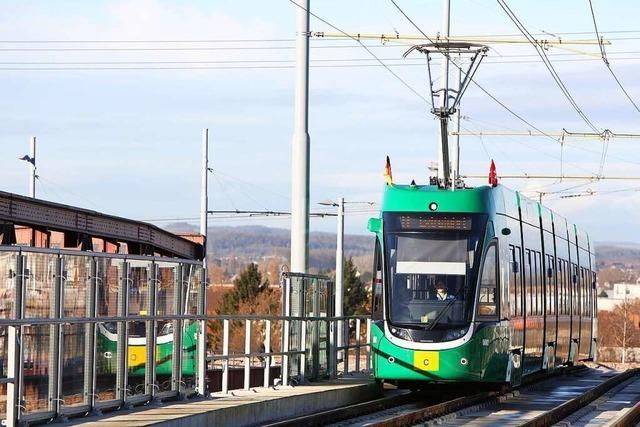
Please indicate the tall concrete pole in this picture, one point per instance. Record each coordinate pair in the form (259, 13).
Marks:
(339, 267)
(443, 150)
(202, 310)
(32, 168)
(456, 125)
(300, 147)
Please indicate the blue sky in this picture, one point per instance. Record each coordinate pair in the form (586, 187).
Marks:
(127, 141)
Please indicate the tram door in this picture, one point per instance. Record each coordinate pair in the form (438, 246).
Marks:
(514, 370)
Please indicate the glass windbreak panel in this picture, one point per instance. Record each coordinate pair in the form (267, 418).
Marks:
(3, 371)
(8, 277)
(73, 367)
(39, 284)
(36, 367)
(432, 265)
(138, 279)
(109, 273)
(136, 357)
(191, 286)
(166, 283)
(76, 274)
(139, 297)
(166, 304)
(164, 355)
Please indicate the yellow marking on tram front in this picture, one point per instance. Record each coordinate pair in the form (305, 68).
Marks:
(137, 355)
(426, 360)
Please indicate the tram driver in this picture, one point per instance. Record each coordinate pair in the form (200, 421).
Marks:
(442, 292)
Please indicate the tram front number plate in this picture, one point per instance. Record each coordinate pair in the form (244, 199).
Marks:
(426, 360)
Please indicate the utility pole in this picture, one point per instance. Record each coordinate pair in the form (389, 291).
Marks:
(339, 291)
(443, 148)
(300, 147)
(204, 209)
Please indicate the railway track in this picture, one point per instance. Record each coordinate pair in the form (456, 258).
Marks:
(576, 395)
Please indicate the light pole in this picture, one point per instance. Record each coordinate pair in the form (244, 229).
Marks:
(31, 159)
(339, 287)
(339, 283)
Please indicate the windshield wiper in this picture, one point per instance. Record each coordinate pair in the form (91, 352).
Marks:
(444, 310)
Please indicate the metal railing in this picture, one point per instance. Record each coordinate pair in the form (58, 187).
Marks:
(82, 332)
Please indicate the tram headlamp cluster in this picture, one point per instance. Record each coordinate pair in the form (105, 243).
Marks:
(402, 334)
(453, 334)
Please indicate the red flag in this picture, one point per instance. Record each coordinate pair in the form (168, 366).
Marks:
(493, 176)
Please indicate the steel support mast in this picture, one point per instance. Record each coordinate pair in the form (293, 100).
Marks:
(204, 211)
(444, 176)
(339, 297)
(300, 147)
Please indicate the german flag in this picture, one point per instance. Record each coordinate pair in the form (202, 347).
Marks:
(387, 172)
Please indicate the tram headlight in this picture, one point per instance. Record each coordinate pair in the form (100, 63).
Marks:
(402, 334)
(453, 334)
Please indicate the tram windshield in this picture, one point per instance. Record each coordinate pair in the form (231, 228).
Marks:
(431, 267)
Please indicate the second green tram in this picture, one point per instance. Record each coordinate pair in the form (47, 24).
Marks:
(477, 285)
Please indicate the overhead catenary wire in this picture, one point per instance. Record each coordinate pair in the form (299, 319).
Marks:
(606, 60)
(400, 79)
(556, 77)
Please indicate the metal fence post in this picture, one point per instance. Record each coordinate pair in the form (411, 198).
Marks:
(345, 343)
(180, 289)
(202, 335)
(225, 352)
(284, 372)
(334, 348)
(358, 344)
(303, 349)
(150, 372)
(90, 338)
(369, 343)
(14, 352)
(247, 350)
(122, 330)
(55, 343)
(267, 350)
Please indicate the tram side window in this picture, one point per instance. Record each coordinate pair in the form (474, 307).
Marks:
(527, 282)
(583, 293)
(539, 276)
(536, 284)
(514, 282)
(376, 304)
(488, 294)
(575, 295)
(551, 284)
(560, 288)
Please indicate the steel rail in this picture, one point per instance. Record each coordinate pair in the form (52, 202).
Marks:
(629, 418)
(437, 410)
(567, 408)
(351, 411)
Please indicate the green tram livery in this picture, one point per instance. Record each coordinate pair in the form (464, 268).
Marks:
(477, 285)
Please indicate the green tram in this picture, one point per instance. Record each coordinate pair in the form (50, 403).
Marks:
(107, 344)
(477, 285)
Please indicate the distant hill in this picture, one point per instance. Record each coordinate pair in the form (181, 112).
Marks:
(621, 254)
(254, 243)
